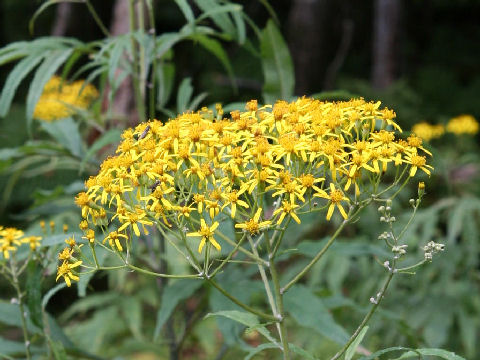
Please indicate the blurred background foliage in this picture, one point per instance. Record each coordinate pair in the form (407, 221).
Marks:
(420, 58)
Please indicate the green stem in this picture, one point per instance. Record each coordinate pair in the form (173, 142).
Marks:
(94, 255)
(229, 256)
(147, 272)
(136, 65)
(366, 318)
(245, 251)
(16, 285)
(241, 304)
(279, 303)
(97, 19)
(315, 259)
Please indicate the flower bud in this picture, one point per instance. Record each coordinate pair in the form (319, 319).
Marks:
(421, 189)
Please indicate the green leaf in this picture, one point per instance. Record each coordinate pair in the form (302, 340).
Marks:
(59, 352)
(10, 315)
(173, 293)
(259, 349)
(165, 80)
(468, 331)
(60, 238)
(212, 9)
(44, 72)
(308, 310)
(247, 319)
(112, 136)
(185, 92)
(14, 79)
(299, 351)
(42, 8)
(353, 346)
(376, 354)
(88, 303)
(277, 65)
(186, 10)
(8, 347)
(132, 312)
(443, 354)
(66, 132)
(51, 292)
(216, 49)
(34, 291)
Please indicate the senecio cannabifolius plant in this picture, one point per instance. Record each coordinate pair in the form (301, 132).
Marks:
(260, 168)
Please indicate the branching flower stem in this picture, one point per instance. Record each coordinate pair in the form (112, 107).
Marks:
(241, 304)
(16, 285)
(279, 300)
(366, 318)
(315, 259)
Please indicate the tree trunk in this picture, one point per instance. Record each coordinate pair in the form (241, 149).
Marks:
(123, 106)
(385, 42)
(62, 19)
(306, 40)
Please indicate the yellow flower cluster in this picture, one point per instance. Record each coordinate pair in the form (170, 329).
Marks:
(190, 173)
(60, 99)
(463, 124)
(428, 131)
(11, 238)
(68, 262)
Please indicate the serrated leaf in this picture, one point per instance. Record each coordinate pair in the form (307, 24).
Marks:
(353, 346)
(15, 77)
(277, 65)
(66, 132)
(308, 310)
(45, 71)
(173, 293)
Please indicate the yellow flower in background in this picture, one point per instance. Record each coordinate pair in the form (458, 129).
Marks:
(463, 124)
(60, 99)
(428, 131)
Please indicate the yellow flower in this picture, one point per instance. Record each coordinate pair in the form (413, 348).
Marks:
(65, 270)
(253, 226)
(206, 233)
(463, 124)
(33, 241)
(113, 239)
(428, 131)
(287, 208)
(60, 99)
(232, 198)
(418, 161)
(335, 198)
